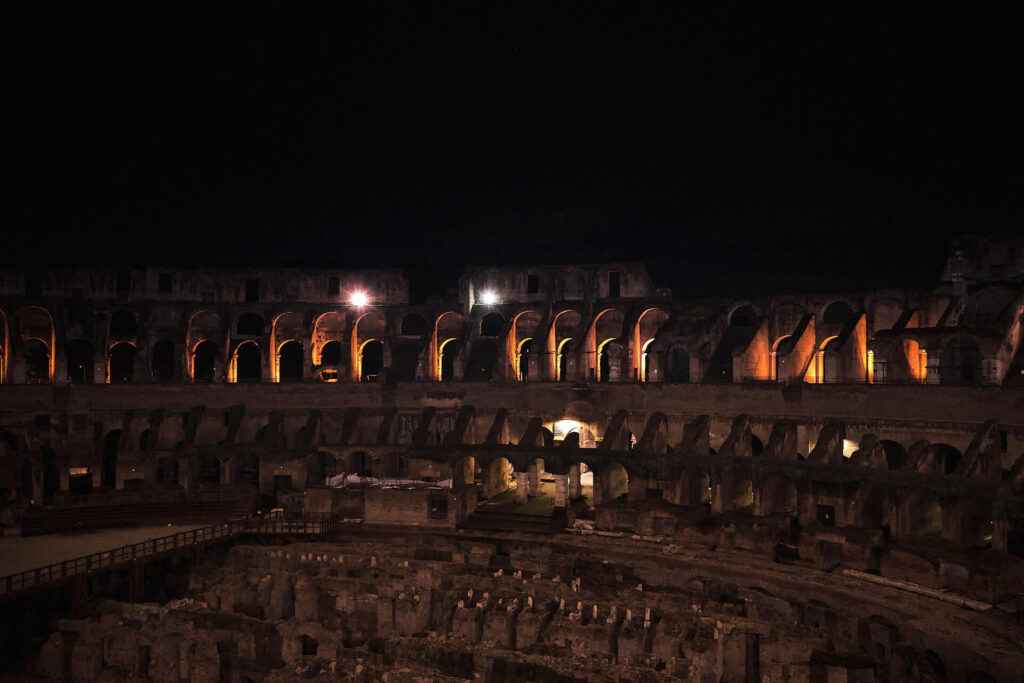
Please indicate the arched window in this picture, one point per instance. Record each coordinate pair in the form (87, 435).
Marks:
(330, 354)
(248, 363)
(371, 360)
(447, 360)
(413, 325)
(37, 362)
(563, 359)
(744, 316)
(837, 313)
(492, 325)
(204, 358)
(250, 324)
(122, 363)
(525, 349)
(290, 362)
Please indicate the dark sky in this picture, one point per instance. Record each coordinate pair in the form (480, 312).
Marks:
(733, 152)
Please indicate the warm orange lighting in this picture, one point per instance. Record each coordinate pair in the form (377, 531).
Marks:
(871, 367)
(358, 299)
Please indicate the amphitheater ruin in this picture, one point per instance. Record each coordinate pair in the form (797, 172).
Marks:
(551, 473)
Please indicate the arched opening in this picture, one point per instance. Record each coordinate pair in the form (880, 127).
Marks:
(167, 470)
(108, 471)
(830, 373)
(677, 364)
(250, 324)
(604, 365)
(371, 360)
(122, 363)
(492, 325)
(331, 354)
(614, 483)
(413, 325)
(756, 446)
(248, 363)
(778, 496)
(948, 456)
(163, 361)
(209, 469)
(837, 313)
(51, 474)
(563, 359)
(936, 663)
(647, 327)
(37, 362)
(523, 363)
(319, 466)
(446, 361)
(204, 358)
(783, 347)
(961, 363)
(895, 454)
(360, 463)
(144, 441)
(645, 373)
(80, 360)
(737, 490)
(500, 478)
(123, 324)
(290, 361)
(744, 316)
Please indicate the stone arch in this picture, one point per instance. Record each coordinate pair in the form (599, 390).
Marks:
(329, 329)
(492, 325)
(694, 487)
(836, 312)
(413, 325)
(947, 457)
(829, 368)
(677, 363)
(367, 360)
(605, 330)
(209, 469)
(499, 477)
(781, 350)
(736, 490)
(522, 345)
(163, 361)
(121, 363)
(448, 333)
(743, 315)
(38, 335)
(203, 361)
(647, 327)
(878, 637)
(895, 454)
(564, 326)
(287, 329)
(81, 356)
(246, 363)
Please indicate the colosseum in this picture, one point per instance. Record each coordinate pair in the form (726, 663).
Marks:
(550, 473)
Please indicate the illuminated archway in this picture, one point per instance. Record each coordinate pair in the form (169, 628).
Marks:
(446, 361)
(558, 345)
(289, 362)
(246, 363)
(38, 334)
(523, 354)
(370, 326)
(444, 345)
(607, 327)
(647, 327)
(204, 360)
(563, 359)
(371, 360)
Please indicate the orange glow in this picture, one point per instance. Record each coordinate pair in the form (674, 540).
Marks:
(871, 367)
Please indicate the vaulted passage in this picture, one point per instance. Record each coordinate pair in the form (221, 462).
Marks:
(290, 362)
(122, 363)
(248, 363)
(204, 359)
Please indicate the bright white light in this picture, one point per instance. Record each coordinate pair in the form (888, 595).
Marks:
(562, 428)
(488, 297)
(358, 299)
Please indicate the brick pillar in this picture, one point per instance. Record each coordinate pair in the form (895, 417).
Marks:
(522, 484)
(562, 490)
(575, 486)
(533, 479)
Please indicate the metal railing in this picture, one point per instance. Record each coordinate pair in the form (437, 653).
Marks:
(57, 572)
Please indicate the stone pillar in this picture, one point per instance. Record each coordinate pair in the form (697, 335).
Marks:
(562, 490)
(521, 487)
(534, 474)
(575, 485)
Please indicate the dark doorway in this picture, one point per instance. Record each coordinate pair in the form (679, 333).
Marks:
(744, 316)
(122, 363)
(413, 325)
(524, 359)
(290, 366)
(604, 364)
(372, 361)
(330, 354)
(80, 481)
(209, 469)
(448, 361)
(248, 363)
(203, 361)
(37, 362)
(167, 470)
(492, 325)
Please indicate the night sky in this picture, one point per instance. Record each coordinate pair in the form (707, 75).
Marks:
(733, 152)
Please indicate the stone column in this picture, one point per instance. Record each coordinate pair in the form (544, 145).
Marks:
(562, 490)
(522, 483)
(533, 478)
(575, 485)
